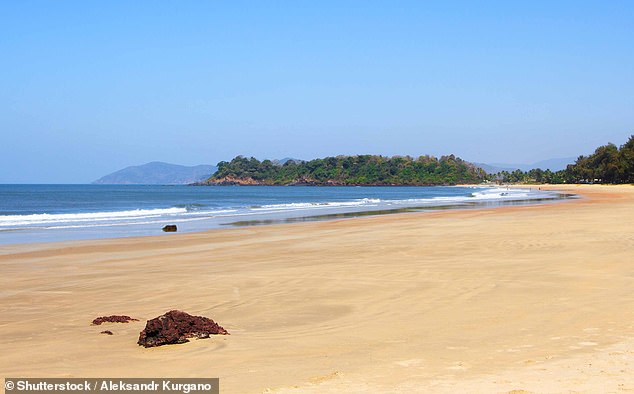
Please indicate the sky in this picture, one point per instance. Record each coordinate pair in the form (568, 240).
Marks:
(88, 88)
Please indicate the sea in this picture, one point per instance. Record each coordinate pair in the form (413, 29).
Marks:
(52, 213)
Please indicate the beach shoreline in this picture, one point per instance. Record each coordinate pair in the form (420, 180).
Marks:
(51, 228)
(495, 299)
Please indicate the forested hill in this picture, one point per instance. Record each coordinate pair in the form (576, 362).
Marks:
(364, 170)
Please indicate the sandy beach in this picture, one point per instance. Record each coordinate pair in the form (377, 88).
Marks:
(532, 298)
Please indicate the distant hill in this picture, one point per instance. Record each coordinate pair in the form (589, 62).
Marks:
(550, 164)
(158, 173)
(285, 160)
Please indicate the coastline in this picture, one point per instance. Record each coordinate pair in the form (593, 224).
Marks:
(106, 215)
(499, 299)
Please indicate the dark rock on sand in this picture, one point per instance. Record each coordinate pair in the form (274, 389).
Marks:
(107, 332)
(176, 327)
(170, 228)
(113, 319)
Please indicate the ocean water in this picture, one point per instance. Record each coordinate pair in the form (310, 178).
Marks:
(48, 213)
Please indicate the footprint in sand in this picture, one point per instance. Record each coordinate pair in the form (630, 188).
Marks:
(324, 378)
(458, 367)
(410, 363)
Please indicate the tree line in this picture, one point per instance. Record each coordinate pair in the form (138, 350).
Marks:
(350, 170)
(608, 164)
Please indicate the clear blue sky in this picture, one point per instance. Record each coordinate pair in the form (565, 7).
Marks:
(89, 87)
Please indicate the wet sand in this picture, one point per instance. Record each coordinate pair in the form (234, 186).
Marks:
(537, 298)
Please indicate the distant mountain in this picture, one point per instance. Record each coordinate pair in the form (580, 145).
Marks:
(554, 164)
(550, 164)
(285, 160)
(491, 169)
(158, 173)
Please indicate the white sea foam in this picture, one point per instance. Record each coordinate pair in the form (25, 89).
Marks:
(487, 194)
(312, 205)
(46, 218)
(484, 194)
(208, 213)
(500, 193)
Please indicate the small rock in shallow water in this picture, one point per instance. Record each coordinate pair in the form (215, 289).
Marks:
(176, 327)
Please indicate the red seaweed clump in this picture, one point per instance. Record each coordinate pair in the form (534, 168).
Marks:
(176, 327)
(107, 332)
(113, 319)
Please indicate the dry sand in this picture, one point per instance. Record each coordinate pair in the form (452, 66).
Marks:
(535, 298)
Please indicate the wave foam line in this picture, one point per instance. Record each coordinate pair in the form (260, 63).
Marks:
(329, 204)
(47, 218)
